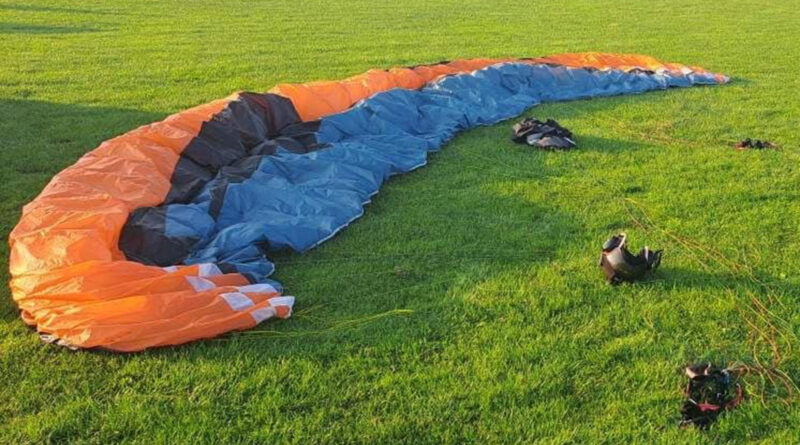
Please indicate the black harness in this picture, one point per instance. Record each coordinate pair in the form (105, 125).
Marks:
(540, 134)
(620, 265)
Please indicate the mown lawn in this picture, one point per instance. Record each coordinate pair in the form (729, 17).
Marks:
(466, 306)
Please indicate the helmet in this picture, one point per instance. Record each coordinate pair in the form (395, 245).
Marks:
(620, 265)
(710, 391)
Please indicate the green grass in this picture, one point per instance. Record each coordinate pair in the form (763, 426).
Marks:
(466, 306)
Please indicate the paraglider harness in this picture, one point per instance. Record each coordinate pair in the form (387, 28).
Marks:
(708, 394)
(756, 144)
(620, 265)
(550, 134)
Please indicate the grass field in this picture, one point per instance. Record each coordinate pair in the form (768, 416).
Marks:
(466, 306)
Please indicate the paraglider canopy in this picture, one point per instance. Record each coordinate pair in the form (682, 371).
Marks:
(163, 235)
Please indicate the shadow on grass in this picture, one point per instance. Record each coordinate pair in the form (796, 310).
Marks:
(21, 28)
(741, 81)
(58, 9)
(698, 278)
(606, 145)
(35, 134)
